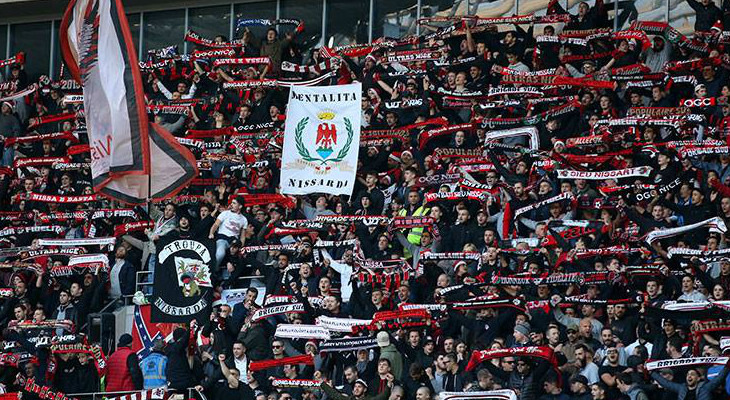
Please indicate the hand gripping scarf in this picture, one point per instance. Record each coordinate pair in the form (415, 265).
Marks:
(543, 352)
(250, 84)
(601, 175)
(242, 23)
(299, 331)
(348, 344)
(653, 365)
(16, 59)
(266, 364)
(716, 225)
(341, 324)
(276, 310)
(264, 199)
(193, 37)
(456, 196)
(502, 394)
(393, 320)
(295, 383)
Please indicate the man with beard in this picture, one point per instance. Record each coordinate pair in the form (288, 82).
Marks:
(183, 230)
(657, 55)
(694, 387)
(232, 388)
(519, 200)
(359, 391)
(524, 379)
(584, 363)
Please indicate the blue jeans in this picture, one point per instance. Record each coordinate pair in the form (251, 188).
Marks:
(8, 156)
(221, 247)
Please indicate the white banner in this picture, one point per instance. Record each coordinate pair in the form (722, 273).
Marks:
(300, 331)
(600, 175)
(341, 324)
(502, 394)
(683, 362)
(321, 140)
(131, 160)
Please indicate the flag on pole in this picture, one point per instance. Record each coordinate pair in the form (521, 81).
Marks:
(321, 139)
(132, 160)
(146, 332)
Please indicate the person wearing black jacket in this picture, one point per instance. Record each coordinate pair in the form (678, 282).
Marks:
(66, 375)
(221, 323)
(463, 232)
(87, 297)
(707, 14)
(231, 388)
(484, 330)
(524, 379)
(178, 372)
(207, 219)
(87, 375)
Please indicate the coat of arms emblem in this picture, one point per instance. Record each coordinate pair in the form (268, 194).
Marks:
(326, 140)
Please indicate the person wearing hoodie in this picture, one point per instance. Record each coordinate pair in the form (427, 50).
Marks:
(390, 353)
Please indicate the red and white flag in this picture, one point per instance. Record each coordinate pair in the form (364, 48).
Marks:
(133, 160)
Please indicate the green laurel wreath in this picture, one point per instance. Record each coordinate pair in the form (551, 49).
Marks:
(305, 153)
(298, 139)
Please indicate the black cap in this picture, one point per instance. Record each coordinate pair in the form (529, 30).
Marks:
(125, 340)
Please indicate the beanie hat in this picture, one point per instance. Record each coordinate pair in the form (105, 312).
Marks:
(523, 328)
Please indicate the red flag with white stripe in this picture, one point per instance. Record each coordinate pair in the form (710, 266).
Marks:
(133, 160)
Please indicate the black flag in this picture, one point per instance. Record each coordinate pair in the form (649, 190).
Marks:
(183, 289)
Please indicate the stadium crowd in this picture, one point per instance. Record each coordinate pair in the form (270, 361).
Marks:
(557, 258)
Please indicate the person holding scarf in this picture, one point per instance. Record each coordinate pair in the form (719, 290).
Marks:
(694, 387)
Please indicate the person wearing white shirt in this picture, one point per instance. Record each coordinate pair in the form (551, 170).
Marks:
(239, 357)
(182, 89)
(229, 225)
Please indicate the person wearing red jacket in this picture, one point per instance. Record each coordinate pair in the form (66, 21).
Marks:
(124, 372)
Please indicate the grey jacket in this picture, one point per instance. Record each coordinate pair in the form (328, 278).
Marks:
(704, 388)
(635, 393)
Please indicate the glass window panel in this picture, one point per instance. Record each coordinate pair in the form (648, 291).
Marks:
(164, 28)
(265, 10)
(443, 8)
(57, 57)
(3, 41)
(348, 21)
(134, 26)
(309, 11)
(681, 15)
(35, 40)
(394, 18)
(209, 22)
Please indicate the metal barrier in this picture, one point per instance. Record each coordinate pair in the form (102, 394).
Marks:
(192, 393)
